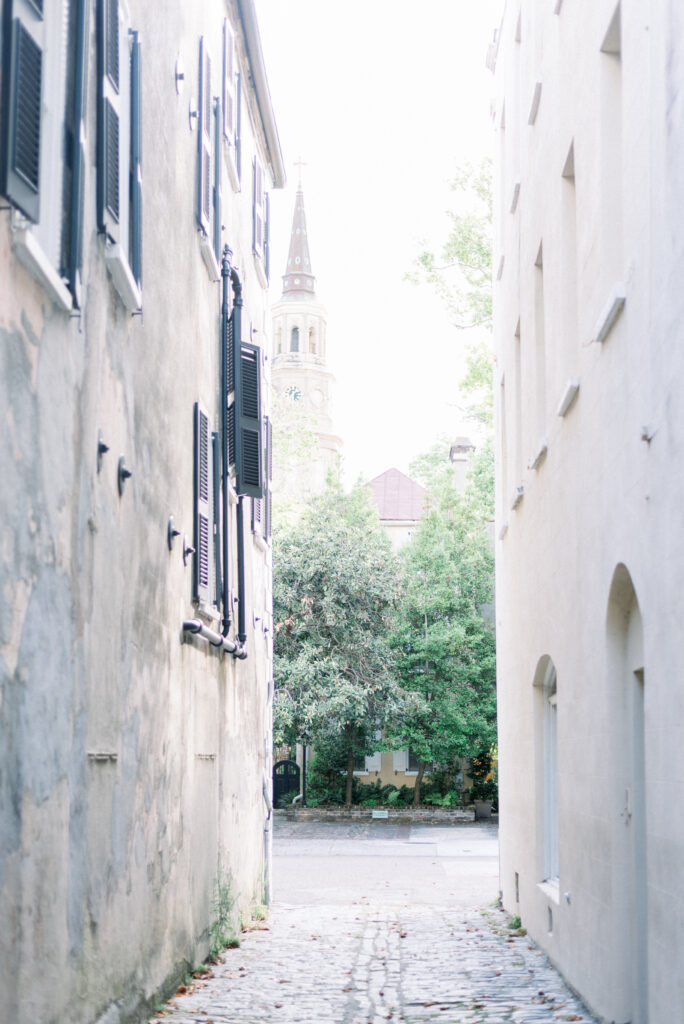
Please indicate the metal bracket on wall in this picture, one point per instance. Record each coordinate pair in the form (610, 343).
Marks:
(102, 449)
(171, 533)
(122, 474)
(187, 550)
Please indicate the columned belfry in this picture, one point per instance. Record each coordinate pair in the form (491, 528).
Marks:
(299, 370)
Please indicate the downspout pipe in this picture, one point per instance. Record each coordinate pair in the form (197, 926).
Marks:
(197, 627)
(230, 274)
(225, 275)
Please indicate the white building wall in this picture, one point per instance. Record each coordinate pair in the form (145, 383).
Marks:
(606, 493)
(131, 762)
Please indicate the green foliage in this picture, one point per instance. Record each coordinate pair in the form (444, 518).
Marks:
(461, 274)
(221, 933)
(445, 650)
(336, 583)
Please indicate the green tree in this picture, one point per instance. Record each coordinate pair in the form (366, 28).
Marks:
(445, 649)
(336, 584)
(461, 274)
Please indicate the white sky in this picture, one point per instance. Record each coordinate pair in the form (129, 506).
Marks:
(383, 100)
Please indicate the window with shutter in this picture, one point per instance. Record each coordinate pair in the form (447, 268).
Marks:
(231, 102)
(75, 125)
(204, 140)
(136, 163)
(268, 478)
(267, 237)
(119, 157)
(109, 119)
(258, 208)
(22, 88)
(248, 423)
(203, 520)
(218, 159)
(37, 126)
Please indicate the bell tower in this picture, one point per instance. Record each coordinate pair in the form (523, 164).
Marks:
(299, 369)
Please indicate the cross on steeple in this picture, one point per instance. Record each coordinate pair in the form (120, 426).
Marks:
(299, 164)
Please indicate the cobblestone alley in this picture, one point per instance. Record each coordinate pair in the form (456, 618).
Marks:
(381, 922)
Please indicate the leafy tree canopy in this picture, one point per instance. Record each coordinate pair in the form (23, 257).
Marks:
(336, 584)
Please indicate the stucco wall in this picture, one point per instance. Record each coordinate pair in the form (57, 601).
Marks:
(607, 494)
(131, 763)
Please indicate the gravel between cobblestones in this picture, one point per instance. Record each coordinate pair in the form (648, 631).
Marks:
(378, 959)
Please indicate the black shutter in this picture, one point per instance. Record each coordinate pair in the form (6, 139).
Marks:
(216, 453)
(218, 155)
(136, 164)
(204, 141)
(230, 386)
(75, 253)
(268, 478)
(22, 78)
(108, 120)
(248, 450)
(203, 520)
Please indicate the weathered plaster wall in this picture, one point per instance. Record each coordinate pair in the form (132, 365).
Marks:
(131, 764)
(607, 494)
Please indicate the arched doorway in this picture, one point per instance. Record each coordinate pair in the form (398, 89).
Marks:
(627, 689)
(546, 756)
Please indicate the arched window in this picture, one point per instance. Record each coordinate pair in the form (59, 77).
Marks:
(312, 341)
(279, 342)
(294, 340)
(547, 767)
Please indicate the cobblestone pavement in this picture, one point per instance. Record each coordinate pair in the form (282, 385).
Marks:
(381, 956)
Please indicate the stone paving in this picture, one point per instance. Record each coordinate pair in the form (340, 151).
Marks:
(379, 957)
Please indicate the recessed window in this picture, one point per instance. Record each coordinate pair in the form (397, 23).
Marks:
(294, 340)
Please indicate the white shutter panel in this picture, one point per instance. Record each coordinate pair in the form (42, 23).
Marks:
(400, 760)
(374, 762)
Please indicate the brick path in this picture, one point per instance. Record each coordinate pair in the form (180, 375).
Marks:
(378, 957)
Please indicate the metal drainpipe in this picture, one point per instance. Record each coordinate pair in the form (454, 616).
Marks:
(229, 272)
(268, 834)
(242, 635)
(225, 274)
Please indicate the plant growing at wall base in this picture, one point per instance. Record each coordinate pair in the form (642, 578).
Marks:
(221, 933)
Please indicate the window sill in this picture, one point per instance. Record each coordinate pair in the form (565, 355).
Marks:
(122, 278)
(260, 543)
(208, 612)
(550, 889)
(209, 257)
(260, 270)
(31, 254)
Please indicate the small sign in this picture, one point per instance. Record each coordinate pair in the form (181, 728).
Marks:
(381, 814)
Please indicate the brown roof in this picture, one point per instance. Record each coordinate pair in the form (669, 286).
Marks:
(397, 496)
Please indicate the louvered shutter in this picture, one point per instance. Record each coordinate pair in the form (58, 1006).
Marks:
(204, 177)
(75, 253)
(230, 396)
(203, 519)
(400, 760)
(268, 478)
(136, 164)
(267, 236)
(22, 82)
(257, 207)
(257, 508)
(248, 449)
(229, 86)
(218, 156)
(109, 120)
(216, 475)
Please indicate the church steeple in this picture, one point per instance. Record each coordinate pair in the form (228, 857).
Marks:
(298, 281)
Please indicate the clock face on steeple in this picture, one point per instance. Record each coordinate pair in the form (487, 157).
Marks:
(293, 393)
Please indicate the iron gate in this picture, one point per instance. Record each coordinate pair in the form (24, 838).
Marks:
(285, 779)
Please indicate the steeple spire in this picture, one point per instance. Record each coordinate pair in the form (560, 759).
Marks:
(298, 279)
